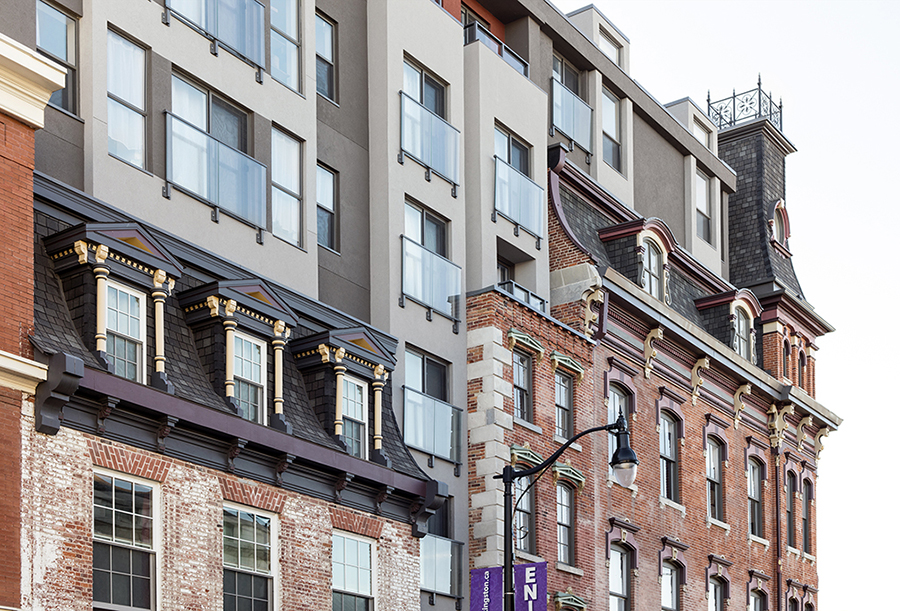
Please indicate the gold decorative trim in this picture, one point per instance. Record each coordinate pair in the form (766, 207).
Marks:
(744, 389)
(696, 379)
(649, 350)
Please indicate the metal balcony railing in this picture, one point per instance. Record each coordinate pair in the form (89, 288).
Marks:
(431, 280)
(240, 25)
(518, 198)
(524, 295)
(431, 425)
(476, 32)
(441, 565)
(571, 115)
(744, 107)
(429, 139)
(214, 172)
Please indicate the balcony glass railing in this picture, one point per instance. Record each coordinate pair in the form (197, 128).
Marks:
(475, 31)
(524, 295)
(430, 279)
(441, 565)
(215, 172)
(429, 139)
(427, 422)
(238, 24)
(571, 115)
(518, 198)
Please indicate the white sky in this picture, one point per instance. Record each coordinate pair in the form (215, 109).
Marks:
(835, 65)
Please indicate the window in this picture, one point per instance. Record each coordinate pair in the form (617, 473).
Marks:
(431, 424)
(522, 386)
(670, 580)
(566, 74)
(56, 39)
(440, 556)
(505, 270)
(125, 325)
(247, 542)
(807, 498)
(715, 509)
(210, 113)
(612, 140)
(668, 459)
(325, 58)
(571, 115)
(286, 169)
(703, 206)
(249, 377)
(425, 134)
(563, 405)
(619, 586)
(428, 276)
(424, 89)
(516, 196)
(716, 595)
(757, 601)
(285, 42)
(524, 516)
(617, 404)
(794, 605)
(778, 227)
(787, 360)
(356, 416)
(351, 574)
(653, 276)
(124, 562)
(237, 25)
(565, 521)
(325, 207)
(426, 229)
(701, 133)
(511, 151)
(742, 338)
(125, 99)
(754, 494)
(789, 502)
(801, 371)
(467, 16)
(609, 46)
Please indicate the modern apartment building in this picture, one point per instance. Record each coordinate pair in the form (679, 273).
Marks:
(308, 275)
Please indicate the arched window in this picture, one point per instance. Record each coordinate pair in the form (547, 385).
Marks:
(754, 494)
(807, 498)
(565, 524)
(742, 333)
(716, 593)
(789, 503)
(670, 581)
(653, 278)
(619, 586)
(778, 228)
(715, 509)
(801, 371)
(757, 601)
(794, 605)
(809, 607)
(668, 457)
(787, 360)
(618, 404)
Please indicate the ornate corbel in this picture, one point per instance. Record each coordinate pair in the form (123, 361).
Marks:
(650, 350)
(801, 432)
(339, 355)
(667, 297)
(697, 379)
(590, 296)
(104, 412)
(233, 452)
(325, 353)
(283, 463)
(744, 389)
(64, 374)
(165, 429)
(778, 424)
(212, 302)
(81, 249)
(420, 510)
(383, 493)
(822, 434)
(340, 485)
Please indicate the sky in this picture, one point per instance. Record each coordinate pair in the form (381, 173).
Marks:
(835, 66)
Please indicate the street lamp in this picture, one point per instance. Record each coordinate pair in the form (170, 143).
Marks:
(624, 464)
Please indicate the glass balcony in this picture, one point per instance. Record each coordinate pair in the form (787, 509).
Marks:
(429, 139)
(427, 422)
(476, 32)
(215, 172)
(238, 24)
(571, 115)
(430, 279)
(518, 198)
(441, 565)
(524, 295)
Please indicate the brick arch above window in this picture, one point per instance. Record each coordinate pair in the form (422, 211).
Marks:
(623, 533)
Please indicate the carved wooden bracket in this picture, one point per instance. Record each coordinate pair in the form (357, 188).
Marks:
(281, 467)
(234, 451)
(165, 429)
(341, 484)
(383, 493)
(801, 432)
(650, 350)
(104, 413)
(64, 374)
(591, 296)
(822, 434)
(436, 494)
(696, 379)
(777, 423)
(744, 389)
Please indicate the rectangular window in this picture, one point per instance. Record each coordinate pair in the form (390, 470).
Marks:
(356, 417)
(325, 58)
(425, 134)
(566, 74)
(351, 573)
(612, 140)
(431, 423)
(325, 207)
(467, 16)
(522, 386)
(56, 39)
(571, 115)
(807, 536)
(618, 580)
(524, 516)
(754, 494)
(428, 276)
(670, 579)
(249, 378)
(516, 196)
(565, 533)
(617, 404)
(440, 555)
(125, 105)
(609, 47)
(714, 480)
(239, 25)
(789, 503)
(701, 133)
(125, 323)
(715, 596)
(668, 475)
(285, 42)
(563, 405)
(286, 201)
(247, 542)
(704, 212)
(124, 559)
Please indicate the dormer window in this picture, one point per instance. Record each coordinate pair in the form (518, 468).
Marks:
(779, 229)
(653, 276)
(742, 333)
(125, 323)
(249, 377)
(355, 411)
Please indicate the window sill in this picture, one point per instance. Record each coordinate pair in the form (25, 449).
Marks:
(664, 502)
(611, 480)
(69, 114)
(566, 568)
(759, 540)
(328, 248)
(575, 446)
(718, 523)
(520, 555)
(327, 99)
(129, 164)
(809, 557)
(793, 551)
(289, 243)
(528, 425)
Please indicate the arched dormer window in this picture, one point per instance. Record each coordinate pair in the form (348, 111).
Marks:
(652, 280)
(780, 227)
(742, 333)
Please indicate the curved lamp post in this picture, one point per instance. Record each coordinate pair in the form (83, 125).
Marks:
(624, 464)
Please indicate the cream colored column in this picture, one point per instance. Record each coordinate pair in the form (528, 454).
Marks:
(339, 392)
(281, 333)
(101, 273)
(378, 386)
(162, 288)
(230, 325)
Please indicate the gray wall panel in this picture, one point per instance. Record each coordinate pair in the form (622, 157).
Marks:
(658, 178)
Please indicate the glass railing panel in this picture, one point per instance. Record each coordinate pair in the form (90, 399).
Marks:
(524, 295)
(429, 139)
(426, 422)
(571, 115)
(440, 565)
(239, 24)
(518, 198)
(476, 32)
(431, 279)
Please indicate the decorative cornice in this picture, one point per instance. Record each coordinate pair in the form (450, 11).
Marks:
(558, 359)
(26, 82)
(517, 337)
(524, 455)
(20, 373)
(566, 472)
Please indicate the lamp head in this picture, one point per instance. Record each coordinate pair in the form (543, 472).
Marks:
(624, 461)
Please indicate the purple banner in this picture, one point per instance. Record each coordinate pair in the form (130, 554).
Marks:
(486, 589)
(531, 586)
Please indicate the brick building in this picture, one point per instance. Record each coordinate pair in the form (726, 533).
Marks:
(307, 275)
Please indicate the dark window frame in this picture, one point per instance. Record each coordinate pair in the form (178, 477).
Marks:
(564, 410)
(324, 214)
(715, 506)
(523, 384)
(330, 91)
(565, 530)
(66, 98)
(668, 463)
(755, 497)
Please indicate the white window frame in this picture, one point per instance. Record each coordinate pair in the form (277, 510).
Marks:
(373, 560)
(612, 414)
(665, 459)
(364, 441)
(654, 251)
(142, 340)
(715, 462)
(274, 532)
(565, 527)
(701, 133)
(524, 516)
(610, 47)
(755, 495)
(715, 595)
(674, 573)
(743, 343)
(624, 566)
(263, 416)
(567, 406)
